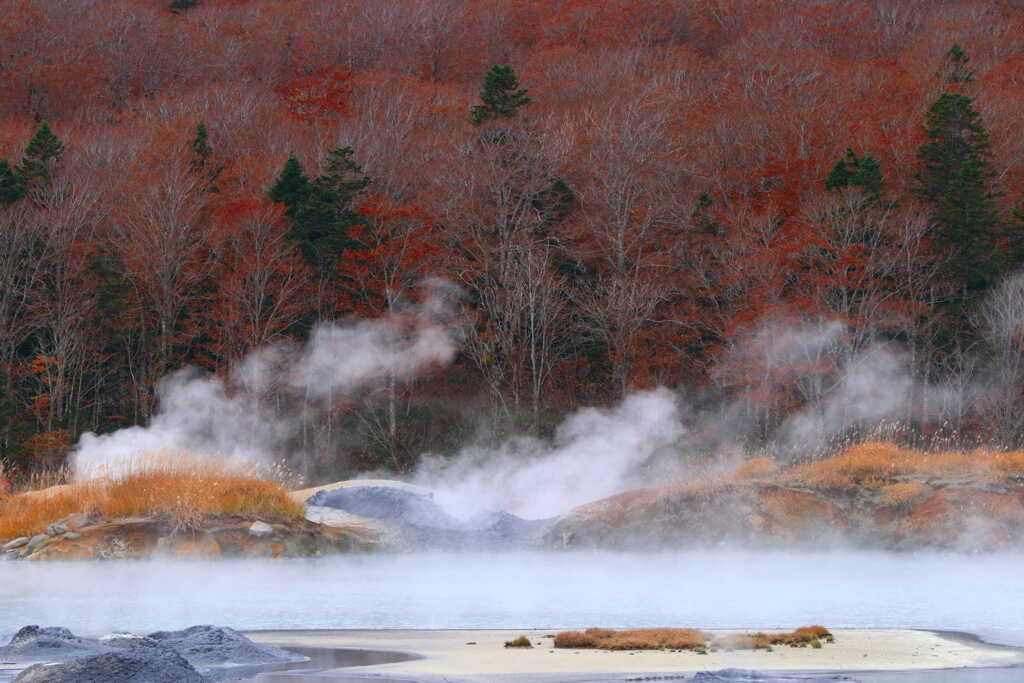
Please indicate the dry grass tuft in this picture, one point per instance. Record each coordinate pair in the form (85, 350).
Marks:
(876, 464)
(521, 641)
(758, 468)
(801, 637)
(185, 497)
(635, 639)
(903, 493)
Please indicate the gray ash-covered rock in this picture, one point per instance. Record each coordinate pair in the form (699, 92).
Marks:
(216, 646)
(424, 523)
(193, 654)
(749, 676)
(49, 644)
(139, 665)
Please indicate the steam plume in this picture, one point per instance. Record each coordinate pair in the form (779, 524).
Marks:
(231, 418)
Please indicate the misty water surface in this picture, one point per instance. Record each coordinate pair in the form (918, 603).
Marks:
(725, 589)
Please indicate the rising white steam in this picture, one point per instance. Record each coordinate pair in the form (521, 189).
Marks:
(232, 418)
(593, 454)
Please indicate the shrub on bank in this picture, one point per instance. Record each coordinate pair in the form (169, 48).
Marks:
(521, 641)
(184, 497)
(634, 639)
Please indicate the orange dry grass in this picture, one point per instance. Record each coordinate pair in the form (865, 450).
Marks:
(635, 639)
(185, 498)
(878, 463)
(805, 635)
(758, 468)
(895, 495)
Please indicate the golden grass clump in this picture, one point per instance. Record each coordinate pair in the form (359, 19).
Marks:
(521, 641)
(801, 637)
(634, 639)
(758, 468)
(902, 493)
(184, 497)
(877, 463)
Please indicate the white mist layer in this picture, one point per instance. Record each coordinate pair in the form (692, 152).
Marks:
(594, 453)
(722, 588)
(227, 419)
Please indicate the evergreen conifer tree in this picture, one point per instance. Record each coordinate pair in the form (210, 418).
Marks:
(12, 188)
(956, 178)
(291, 187)
(201, 149)
(955, 69)
(41, 156)
(501, 95)
(864, 172)
(202, 155)
(322, 210)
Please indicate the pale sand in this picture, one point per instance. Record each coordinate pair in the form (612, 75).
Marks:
(448, 654)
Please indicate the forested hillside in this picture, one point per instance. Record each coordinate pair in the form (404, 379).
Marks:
(765, 205)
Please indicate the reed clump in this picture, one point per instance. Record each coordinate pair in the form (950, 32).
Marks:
(633, 639)
(184, 496)
(521, 642)
(802, 637)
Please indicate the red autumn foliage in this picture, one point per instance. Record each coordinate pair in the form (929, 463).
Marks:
(694, 139)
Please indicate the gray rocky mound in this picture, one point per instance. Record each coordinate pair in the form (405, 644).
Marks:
(422, 522)
(215, 646)
(748, 676)
(49, 644)
(189, 655)
(139, 665)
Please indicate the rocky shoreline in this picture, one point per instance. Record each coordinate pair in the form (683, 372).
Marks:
(194, 655)
(84, 537)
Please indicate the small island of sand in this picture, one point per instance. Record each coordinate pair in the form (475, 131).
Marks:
(481, 655)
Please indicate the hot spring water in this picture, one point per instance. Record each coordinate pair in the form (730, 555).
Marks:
(979, 594)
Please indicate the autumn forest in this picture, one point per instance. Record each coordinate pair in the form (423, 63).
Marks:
(767, 206)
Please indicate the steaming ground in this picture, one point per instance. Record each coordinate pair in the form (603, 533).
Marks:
(237, 419)
(709, 589)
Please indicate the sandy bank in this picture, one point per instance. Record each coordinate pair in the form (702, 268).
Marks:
(450, 654)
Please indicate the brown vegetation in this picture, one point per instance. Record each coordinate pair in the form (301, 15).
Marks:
(877, 493)
(634, 639)
(686, 639)
(801, 637)
(184, 497)
(521, 641)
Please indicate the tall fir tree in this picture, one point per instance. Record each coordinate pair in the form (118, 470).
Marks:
(956, 178)
(291, 187)
(202, 157)
(955, 67)
(856, 171)
(322, 210)
(501, 95)
(41, 156)
(201, 149)
(12, 187)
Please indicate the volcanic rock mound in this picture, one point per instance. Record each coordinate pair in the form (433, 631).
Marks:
(142, 665)
(423, 523)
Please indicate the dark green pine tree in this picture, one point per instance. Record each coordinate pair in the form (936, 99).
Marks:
(12, 187)
(201, 149)
(555, 202)
(1014, 257)
(41, 156)
(202, 157)
(179, 6)
(501, 95)
(853, 171)
(956, 178)
(324, 220)
(323, 209)
(954, 66)
(291, 187)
